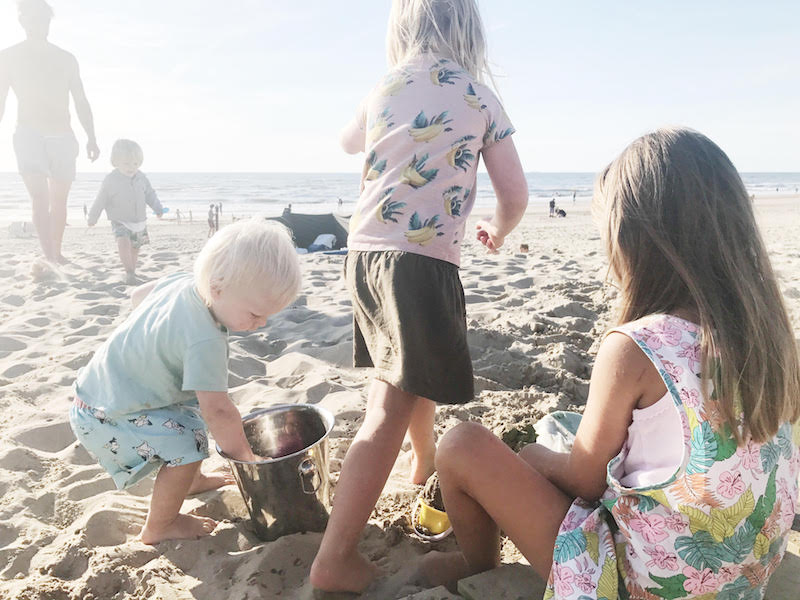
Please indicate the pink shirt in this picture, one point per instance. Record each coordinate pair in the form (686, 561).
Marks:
(423, 129)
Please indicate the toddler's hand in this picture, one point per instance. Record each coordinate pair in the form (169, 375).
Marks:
(488, 235)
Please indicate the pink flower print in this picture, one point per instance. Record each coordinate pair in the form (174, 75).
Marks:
(661, 334)
(673, 370)
(675, 522)
(585, 581)
(661, 558)
(788, 503)
(691, 352)
(563, 578)
(750, 456)
(651, 527)
(731, 484)
(728, 573)
(690, 398)
(699, 582)
(571, 520)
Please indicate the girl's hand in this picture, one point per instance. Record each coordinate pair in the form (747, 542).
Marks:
(489, 235)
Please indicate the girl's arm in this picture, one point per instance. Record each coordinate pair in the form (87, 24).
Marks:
(510, 188)
(622, 378)
(353, 137)
(225, 424)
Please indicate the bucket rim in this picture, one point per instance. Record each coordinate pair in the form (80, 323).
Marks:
(330, 420)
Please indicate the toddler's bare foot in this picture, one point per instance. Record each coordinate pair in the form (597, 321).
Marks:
(343, 573)
(183, 527)
(442, 568)
(422, 467)
(212, 481)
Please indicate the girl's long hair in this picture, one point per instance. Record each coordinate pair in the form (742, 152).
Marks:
(451, 28)
(681, 233)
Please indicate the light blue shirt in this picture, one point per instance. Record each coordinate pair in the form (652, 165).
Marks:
(167, 349)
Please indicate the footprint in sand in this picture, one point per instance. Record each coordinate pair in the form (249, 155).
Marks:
(8, 533)
(103, 310)
(18, 370)
(79, 361)
(108, 528)
(14, 300)
(52, 437)
(10, 344)
(38, 321)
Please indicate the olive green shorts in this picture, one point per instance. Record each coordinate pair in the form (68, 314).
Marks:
(409, 322)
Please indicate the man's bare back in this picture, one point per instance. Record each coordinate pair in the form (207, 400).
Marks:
(42, 76)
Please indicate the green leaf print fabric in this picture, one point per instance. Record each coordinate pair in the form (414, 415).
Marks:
(716, 529)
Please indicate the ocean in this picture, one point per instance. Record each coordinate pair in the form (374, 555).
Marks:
(245, 194)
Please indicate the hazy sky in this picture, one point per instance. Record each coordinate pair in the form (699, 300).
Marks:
(266, 85)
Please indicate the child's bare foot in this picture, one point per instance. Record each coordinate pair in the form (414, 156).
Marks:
(343, 574)
(212, 481)
(183, 527)
(422, 467)
(442, 568)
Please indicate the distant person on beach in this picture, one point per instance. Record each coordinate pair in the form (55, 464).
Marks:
(553, 207)
(682, 474)
(125, 195)
(43, 77)
(213, 223)
(419, 183)
(150, 394)
(574, 193)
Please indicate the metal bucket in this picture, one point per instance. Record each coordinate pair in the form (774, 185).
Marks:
(289, 490)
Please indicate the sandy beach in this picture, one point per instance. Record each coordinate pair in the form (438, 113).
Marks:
(535, 319)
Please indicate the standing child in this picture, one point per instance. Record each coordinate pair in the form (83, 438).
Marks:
(423, 129)
(150, 392)
(682, 480)
(124, 195)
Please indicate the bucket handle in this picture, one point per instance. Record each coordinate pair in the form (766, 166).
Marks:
(307, 469)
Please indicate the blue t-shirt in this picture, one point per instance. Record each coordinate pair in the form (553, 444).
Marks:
(167, 349)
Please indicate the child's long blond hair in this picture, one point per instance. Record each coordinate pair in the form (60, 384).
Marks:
(452, 28)
(680, 233)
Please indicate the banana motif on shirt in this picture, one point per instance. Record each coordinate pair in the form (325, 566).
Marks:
(422, 232)
(424, 130)
(388, 210)
(394, 82)
(453, 200)
(415, 173)
(376, 167)
(381, 123)
(472, 99)
(440, 74)
(460, 155)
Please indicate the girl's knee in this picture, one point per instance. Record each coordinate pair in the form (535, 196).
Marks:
(459, 444)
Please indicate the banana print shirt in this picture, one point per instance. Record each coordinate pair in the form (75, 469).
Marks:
(424, 126)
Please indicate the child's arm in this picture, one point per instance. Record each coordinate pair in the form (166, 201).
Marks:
(140, 293)
(510, 188)
(353, 137)
(225, 424)
(151, 198)
(622, 378)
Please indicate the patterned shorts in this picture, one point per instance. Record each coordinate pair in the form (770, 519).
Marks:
(132, 446)
(137, 238)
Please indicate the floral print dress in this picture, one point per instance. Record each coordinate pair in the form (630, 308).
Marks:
(716, 529)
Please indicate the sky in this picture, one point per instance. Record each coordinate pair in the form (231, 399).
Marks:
(266, 85)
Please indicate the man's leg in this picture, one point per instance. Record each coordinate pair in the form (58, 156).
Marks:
(59, 192)
(39, 192)
(338, 566)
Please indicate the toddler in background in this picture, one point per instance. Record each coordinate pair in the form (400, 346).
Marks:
(150, 393)
(124, 195)
(682, 479)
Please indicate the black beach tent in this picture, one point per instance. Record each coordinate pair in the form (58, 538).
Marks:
(306, 228)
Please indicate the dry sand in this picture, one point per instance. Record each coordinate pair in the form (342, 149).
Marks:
(534, 320)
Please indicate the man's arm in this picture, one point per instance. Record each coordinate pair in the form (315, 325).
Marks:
(84, 112)
(5, 84)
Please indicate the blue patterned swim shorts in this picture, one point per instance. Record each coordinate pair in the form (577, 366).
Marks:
(132, 446)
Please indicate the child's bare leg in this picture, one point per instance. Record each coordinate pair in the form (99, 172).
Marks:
(164, 522)
(134, 258)
(338, 566)
(204, 482)
(423, 440)
(125, 248)
(487, 487)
